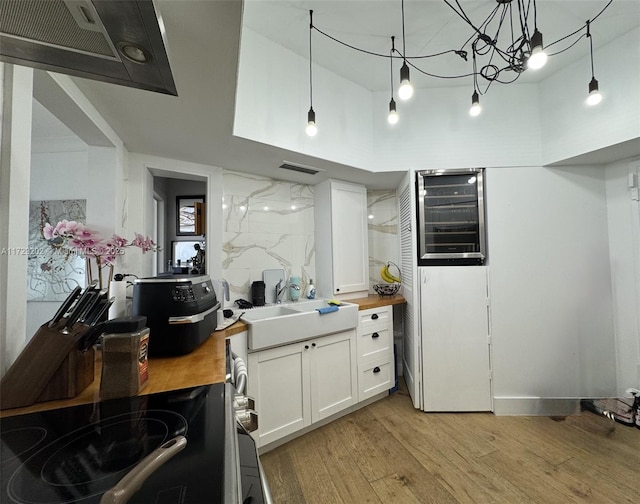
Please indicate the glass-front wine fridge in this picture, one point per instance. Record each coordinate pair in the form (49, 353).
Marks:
(451, 223)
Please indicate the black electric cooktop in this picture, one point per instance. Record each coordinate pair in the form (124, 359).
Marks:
(76, 454)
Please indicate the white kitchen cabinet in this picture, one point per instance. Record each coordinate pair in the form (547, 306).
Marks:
(376, 363)
(455, 338)
(341, 239)
(333, 381)
(302, 383)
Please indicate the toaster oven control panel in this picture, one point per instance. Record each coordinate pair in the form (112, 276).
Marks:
(183, 293)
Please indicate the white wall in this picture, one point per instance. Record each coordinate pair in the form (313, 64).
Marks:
(552, 322)
(272, 101)
(623, 212)
(51, 173)
(435, 129)
(65, 167)
(569, 126)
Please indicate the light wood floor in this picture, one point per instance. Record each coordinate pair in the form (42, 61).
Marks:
(390, 453)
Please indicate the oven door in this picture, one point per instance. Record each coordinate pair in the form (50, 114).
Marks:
(253, 482)
(255, 488)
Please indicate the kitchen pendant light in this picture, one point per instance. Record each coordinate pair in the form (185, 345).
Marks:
(406, 89)
(393, 113)
(538, 57)
(594, 96)
(475, 105)
(594, 93)
(506, 42)
(312, 128)
(475, 99)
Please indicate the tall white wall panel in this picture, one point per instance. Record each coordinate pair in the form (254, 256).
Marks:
(550, 283)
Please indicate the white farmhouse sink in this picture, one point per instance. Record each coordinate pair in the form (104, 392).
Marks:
(281, 324)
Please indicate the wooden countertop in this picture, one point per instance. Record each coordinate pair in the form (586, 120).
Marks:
(376, 301)
(205, 365)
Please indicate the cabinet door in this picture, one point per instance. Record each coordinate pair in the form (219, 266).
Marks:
(455, 338)
(279, 380)
(333, 373)
(349, 233)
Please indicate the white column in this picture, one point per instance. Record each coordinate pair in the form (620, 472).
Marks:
(15, 161)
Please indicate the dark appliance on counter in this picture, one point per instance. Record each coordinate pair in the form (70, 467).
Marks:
(257, 293)
(181, 311)
(451, 224)
(77, 454)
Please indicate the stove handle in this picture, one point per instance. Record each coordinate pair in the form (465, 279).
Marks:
(133, 480)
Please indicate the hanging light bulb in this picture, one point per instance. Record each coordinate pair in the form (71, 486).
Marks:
(393, 114)
(475, 105)
(538, 57)
(406, 89)
(594, 93)
(311, 129)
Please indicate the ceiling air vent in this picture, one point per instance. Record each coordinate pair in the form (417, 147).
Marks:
(300, 168)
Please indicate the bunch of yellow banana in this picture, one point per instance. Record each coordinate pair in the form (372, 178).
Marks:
(387, 276)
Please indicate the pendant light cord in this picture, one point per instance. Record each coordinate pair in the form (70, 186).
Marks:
(404, 47)
(590, 47)
(310, 70)
(393, 48)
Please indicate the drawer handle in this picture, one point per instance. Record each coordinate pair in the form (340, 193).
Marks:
(375, 335)
(313, 344)
(306, 347)
(374, 316)
(376, 369)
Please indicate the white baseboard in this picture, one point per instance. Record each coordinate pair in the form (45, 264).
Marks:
(535, 406)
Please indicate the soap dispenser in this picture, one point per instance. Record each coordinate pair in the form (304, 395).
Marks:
(310, 291)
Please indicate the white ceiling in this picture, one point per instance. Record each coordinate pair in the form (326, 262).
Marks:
(203, 44)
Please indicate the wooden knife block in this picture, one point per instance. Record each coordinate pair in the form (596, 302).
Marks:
(50, 367)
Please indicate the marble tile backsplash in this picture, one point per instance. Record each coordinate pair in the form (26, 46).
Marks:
(269, 224)
(382, 209)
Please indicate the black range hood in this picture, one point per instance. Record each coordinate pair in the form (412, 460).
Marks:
(116, 41)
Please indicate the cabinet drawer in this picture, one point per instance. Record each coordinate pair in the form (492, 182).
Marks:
(375, 317)
(374, 344)
(375, 378)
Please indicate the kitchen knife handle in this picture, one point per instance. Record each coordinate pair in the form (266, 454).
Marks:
(133, 480)
(66, 304)
(78, 307)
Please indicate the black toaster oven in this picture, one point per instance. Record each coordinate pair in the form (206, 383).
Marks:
(181, 311)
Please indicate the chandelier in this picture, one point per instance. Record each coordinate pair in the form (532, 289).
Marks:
(503, 45)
